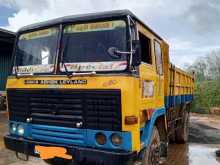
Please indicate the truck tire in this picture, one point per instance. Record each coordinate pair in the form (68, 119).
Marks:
(182, 132)
(59, 161)
(151, 154)
(3, 104)
(172, 137)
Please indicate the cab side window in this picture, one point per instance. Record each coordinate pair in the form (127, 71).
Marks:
(159, 60)
(145, 49)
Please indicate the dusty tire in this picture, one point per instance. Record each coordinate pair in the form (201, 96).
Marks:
(172, 138)
(182, 133)
(57, 161)
(2, 104)
(151, 155)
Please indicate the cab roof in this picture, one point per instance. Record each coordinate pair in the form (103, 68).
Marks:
(86, 17)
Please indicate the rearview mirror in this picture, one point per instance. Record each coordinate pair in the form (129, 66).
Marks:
(136, 59)
(114, 53)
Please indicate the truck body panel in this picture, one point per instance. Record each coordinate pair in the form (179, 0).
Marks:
(180, 87)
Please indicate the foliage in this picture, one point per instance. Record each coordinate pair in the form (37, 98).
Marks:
(207, 87)
(207, 95)
(206, 68)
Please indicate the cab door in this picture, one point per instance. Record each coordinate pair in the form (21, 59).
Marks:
(148, 75)
(160, 74)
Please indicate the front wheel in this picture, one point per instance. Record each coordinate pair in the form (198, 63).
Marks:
(2, 104)
(151, 155)
(59, 161)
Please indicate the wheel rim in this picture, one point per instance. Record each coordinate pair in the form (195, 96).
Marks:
(151, 154)
(154, 153)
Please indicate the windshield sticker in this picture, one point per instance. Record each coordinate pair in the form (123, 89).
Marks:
(33, 69)
(38, 34)
(98, 26)
(95, 66)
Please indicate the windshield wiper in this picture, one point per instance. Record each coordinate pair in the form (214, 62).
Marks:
(24, 74)
(84, 73)
(16, 70)
(71, 74)
(68, 73)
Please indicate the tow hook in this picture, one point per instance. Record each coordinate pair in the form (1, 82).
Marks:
(21, 156)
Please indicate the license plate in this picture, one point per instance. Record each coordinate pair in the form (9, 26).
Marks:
(51, 152)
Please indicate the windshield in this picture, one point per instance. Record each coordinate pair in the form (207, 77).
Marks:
(85, 46)
(36, 51)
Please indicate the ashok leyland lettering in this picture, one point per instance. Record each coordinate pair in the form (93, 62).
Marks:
(95, 88)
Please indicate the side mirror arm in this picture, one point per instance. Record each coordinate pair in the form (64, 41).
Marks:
(121, 52)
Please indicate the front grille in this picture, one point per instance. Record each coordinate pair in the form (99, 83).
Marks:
(96, 109)
(58, 134)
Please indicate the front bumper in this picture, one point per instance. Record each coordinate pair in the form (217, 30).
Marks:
(79, 154)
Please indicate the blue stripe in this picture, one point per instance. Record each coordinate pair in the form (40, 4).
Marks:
(148, 128)
(173, 101)
(74, 136)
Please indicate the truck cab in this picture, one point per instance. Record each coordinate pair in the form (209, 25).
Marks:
(89, 88)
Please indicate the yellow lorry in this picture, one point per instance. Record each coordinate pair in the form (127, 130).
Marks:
(95, 88)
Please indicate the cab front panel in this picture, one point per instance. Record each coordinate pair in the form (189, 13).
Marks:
(74, 113)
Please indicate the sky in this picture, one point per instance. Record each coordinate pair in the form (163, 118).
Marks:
(191, 27)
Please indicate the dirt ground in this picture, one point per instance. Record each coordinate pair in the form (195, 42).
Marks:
(204, 140)
(204, 129)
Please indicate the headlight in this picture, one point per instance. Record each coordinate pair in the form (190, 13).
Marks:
(20, 130)
(116, 139)
(13, 128)
(100, 138)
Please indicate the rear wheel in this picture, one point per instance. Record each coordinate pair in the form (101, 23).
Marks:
(182, 132)
(151, 155)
